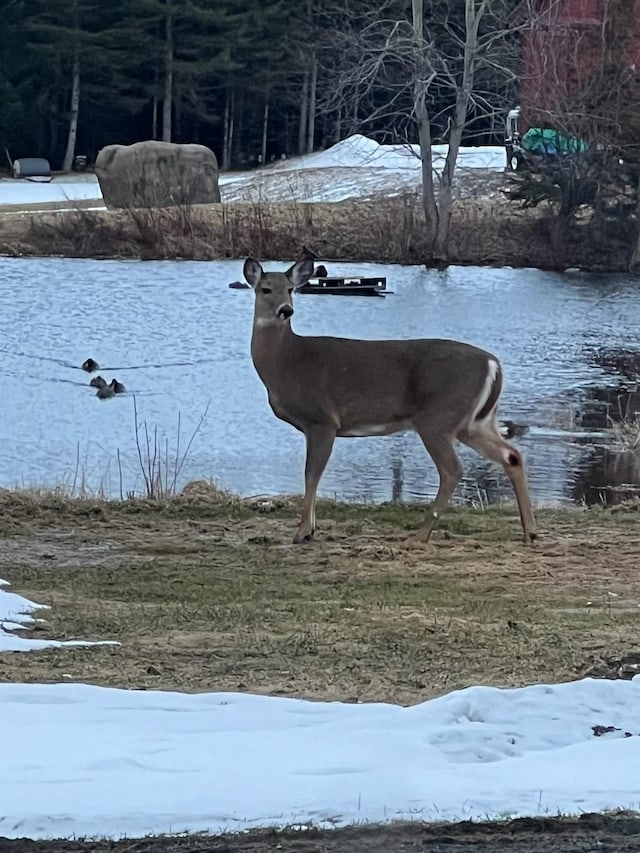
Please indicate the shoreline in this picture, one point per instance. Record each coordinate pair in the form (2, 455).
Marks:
(485, 231)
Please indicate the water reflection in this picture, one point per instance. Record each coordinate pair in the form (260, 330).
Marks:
(609, 472)
(179, 340)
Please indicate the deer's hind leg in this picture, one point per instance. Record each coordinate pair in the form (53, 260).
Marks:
(441, 449)
(486, 439)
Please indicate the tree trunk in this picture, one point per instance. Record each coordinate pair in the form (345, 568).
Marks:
(265, 128)
(337, 127)
(313, 87)
(168, 72)
(304, 113)
(429, 204)
(456, 128)
(154, 105)
(421, 110)
(227, 140)
(67, 163)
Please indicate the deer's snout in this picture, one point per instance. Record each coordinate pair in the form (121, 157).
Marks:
(285, 311)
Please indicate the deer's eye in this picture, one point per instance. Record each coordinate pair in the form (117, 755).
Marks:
(266, 290)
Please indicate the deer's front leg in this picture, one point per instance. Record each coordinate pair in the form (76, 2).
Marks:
(319, 445)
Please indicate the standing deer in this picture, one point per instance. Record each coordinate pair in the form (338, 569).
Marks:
(327, 387)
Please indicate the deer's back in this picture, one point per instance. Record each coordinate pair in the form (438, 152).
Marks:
(425, 365)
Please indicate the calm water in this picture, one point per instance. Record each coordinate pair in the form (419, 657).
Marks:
(178, 338)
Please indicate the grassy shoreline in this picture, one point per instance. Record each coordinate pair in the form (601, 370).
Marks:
(485, 231)
(209, 594)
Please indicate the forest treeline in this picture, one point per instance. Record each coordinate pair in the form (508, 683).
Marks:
(252, 79)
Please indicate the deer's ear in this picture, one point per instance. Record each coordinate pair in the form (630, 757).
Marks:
(301, 271)
(252, 271)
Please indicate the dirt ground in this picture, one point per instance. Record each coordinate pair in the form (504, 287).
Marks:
(591, 833)
(209, 594)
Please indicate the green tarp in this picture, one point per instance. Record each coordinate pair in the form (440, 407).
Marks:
(544, 140)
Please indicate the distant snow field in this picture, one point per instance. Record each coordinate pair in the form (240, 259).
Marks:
(80, 760)
(359, 167)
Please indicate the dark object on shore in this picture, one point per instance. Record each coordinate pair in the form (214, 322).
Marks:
(510, 429)
(32, 169)
(98, 382)
(239, 285)
(320, 272)
(118, 387)
(90, 365)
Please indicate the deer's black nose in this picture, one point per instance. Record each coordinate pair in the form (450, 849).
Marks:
(285, 311)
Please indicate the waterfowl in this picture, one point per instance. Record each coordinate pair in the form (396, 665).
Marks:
(105, 391)
(114, 387)
(510, 429)
(90, 365)
(98, 382)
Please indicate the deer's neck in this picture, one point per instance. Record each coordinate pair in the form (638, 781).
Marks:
(272, 346)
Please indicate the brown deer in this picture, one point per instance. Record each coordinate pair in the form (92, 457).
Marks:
(328, 387)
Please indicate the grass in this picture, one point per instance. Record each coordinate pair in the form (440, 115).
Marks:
(544, 834)
(210, 595)
(626, 434)
(488, 230)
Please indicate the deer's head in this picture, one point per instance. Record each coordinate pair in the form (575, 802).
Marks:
(274, 290)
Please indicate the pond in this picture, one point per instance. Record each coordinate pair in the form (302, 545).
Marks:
(178, 338)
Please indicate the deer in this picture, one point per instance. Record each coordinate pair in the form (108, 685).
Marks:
(328, 388)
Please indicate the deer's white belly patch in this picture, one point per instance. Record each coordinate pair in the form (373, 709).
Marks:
(369, 430)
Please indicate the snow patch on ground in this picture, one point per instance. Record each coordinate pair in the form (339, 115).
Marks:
(90, 761)
(15, 615)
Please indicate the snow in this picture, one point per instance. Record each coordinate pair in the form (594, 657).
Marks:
(15, 615)
(90, 761)
(356, 167)
(60, 189)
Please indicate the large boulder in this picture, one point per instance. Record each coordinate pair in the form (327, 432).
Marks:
(157, 174)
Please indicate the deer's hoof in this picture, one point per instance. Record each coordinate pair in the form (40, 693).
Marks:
(422, 535)
(303, 536)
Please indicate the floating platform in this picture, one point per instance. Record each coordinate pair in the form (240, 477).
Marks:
(342, 286)
(337, 286)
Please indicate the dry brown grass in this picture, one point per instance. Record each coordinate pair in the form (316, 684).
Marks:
(386, 230)
(626, 434)
(209, 594)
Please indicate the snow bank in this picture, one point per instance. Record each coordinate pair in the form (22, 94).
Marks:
(84, 760)
(359, 167)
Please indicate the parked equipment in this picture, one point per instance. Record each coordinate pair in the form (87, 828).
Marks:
(32, 169)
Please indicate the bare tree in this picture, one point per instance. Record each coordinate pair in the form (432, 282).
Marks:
(422, 71)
